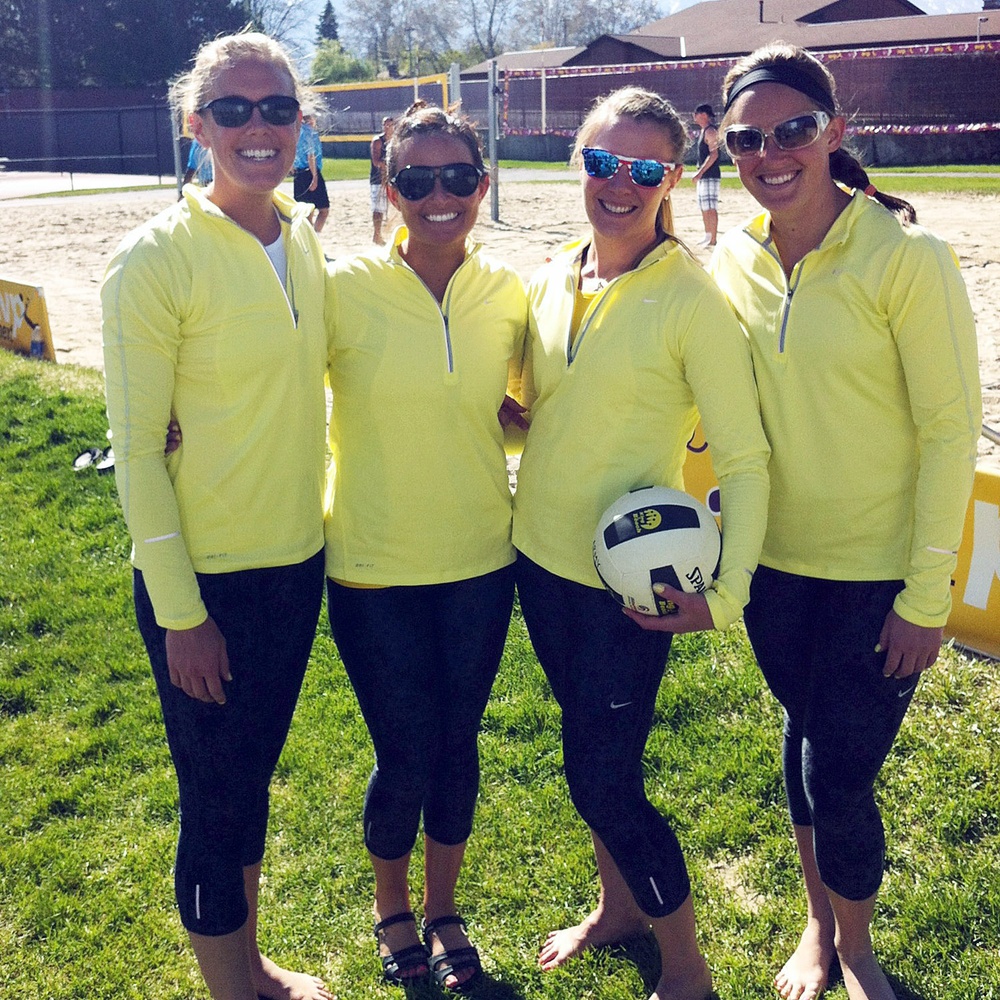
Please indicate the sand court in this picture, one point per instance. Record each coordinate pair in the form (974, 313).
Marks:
(63, 245)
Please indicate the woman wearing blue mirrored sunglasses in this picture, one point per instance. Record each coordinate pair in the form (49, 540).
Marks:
(865, 354)
(629, 340)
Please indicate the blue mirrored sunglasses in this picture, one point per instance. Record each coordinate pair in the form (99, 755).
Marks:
(603, 165)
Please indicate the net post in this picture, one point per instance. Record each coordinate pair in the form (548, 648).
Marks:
(492, 89)
(178, 165)
(454, 84)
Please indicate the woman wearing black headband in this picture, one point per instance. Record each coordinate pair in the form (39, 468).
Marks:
(865, 355)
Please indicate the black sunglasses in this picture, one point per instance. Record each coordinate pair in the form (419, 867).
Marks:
(234, 112)
(796, 133)
(459, 179)
(603, 165)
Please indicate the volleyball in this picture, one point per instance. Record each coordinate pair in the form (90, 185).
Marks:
(655, 535)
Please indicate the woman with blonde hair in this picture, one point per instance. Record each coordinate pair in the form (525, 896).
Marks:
(423, 336)
(213, 314)
(628, 341)
(864, 351)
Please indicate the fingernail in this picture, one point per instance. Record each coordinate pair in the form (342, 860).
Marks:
(878, 647)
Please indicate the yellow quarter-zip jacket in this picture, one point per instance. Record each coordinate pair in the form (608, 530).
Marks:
(613, 409)
(868, 376)
(417, 488)
(198, 325)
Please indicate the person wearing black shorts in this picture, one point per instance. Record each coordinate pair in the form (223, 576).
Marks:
(308, 173)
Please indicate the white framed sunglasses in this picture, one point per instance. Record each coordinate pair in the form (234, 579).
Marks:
(795, 133)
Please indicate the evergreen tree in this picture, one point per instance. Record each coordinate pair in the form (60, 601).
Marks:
(327, 30)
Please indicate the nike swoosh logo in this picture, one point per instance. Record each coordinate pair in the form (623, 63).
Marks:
(906, 691)
(620, 704)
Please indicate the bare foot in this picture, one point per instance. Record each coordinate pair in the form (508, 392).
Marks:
(804, 976)
(694, 984)
(275, 983)
(595, 931)
(865, 979)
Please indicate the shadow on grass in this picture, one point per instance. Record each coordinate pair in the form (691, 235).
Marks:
(485, 988)
(901, 989)
(644, 954)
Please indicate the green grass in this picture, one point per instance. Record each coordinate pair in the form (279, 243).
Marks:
(89, 816)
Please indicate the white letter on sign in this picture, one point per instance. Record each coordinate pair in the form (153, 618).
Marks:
(984, 566)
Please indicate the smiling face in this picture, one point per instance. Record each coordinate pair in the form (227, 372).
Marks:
(617, 208)
(249, 161)
(786, 182)
(441, 218)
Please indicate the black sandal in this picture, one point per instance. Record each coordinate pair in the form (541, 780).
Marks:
(396, 964)
(448, 963)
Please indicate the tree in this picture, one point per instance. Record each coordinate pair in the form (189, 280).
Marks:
(281, 19)
(108, 43)
(488, 19)
(332, 64)
(326, 29)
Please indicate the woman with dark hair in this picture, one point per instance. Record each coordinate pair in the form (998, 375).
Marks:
(423, 336)
(865, 356)
(629, 342)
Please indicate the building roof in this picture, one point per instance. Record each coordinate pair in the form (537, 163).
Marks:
(730, 28)
(527, 59)
(733, 27)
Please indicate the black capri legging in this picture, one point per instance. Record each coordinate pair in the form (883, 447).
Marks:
(422, 661)
(225, 755)
(815, 642)
(605, 672)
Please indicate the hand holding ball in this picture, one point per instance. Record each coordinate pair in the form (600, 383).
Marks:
(656, 535)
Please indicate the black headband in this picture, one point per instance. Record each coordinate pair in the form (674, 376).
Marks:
(786, 73)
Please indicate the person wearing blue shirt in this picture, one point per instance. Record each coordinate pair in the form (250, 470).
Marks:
(308, 180)
(199, 165)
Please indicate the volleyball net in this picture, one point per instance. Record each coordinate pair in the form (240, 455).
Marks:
(898, 90)
(353, 112)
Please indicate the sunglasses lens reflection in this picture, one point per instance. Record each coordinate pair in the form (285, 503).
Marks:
(600, 163)
(647, 173)
(796, 132)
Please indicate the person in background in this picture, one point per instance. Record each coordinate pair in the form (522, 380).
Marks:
(424, 335)
(708, 178)
(864, 349)
(629, 341)
(199, 165)
(213, 315)
(377, 179)
(308, 182)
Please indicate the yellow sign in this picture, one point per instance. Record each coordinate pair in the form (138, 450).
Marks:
(975, 585)
(24, 320)
(975, 614)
